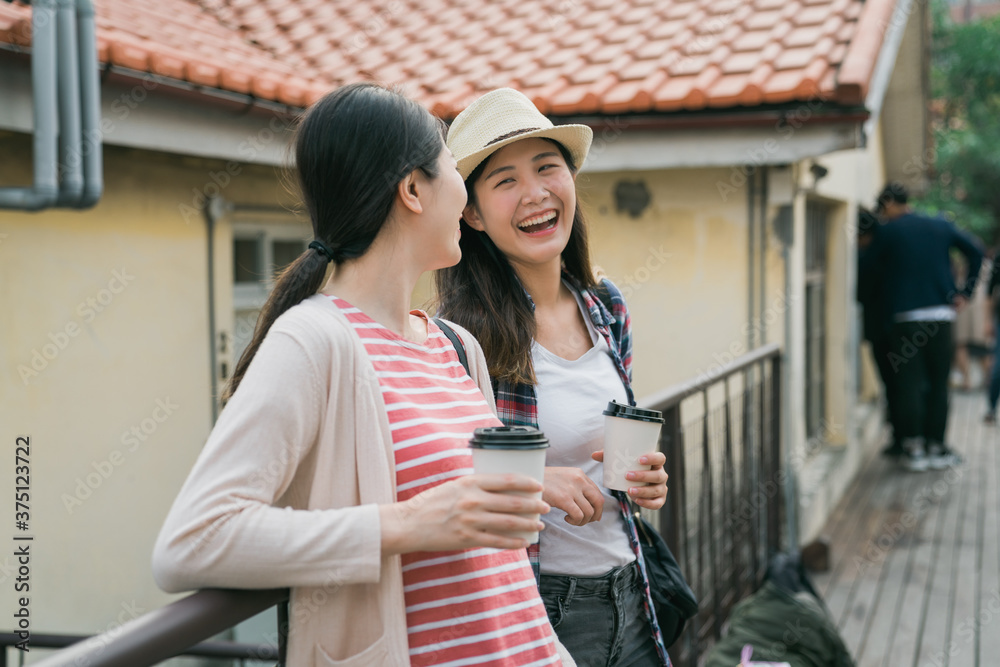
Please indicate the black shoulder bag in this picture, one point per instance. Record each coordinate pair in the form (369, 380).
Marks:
(673, 600)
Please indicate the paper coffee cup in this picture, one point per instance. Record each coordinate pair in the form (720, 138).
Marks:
(499, 450)
(628, 434)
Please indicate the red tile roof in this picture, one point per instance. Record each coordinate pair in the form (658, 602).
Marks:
(571, 57)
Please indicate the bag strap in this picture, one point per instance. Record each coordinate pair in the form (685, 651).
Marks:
(283, 631)
(455, 341)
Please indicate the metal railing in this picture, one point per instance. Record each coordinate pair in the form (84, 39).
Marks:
(180, 628)
(723, 515)
(722, 518)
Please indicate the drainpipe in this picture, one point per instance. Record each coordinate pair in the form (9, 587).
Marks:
(215, 208)
(762, 197)
(751, 259)
(90, 106)
(45, 189)
(70, 163)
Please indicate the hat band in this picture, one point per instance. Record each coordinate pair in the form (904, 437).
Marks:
(502, 137)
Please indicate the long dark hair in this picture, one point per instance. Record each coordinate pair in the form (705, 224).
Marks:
(483, 293)
(352, 148)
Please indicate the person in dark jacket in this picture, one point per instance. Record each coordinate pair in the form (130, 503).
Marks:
(877, 326)
(909, 256)
(994, 294)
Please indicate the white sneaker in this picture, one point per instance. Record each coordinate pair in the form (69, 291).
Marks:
(916, 461)
(941, 459)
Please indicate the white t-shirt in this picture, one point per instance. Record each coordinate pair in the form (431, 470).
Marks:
(572, 396)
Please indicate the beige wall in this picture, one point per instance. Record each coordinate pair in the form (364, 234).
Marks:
(683, 266)
(117, 298)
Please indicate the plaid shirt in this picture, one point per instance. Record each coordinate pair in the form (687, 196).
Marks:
(517, 406)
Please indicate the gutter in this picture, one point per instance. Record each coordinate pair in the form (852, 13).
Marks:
(45, 189)
(771, 118)
(90, 106)
(70, 132)
(66, 110)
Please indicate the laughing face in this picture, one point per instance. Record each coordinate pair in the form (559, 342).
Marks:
(525, 201)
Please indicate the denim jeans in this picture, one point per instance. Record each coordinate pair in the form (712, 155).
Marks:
(601, 620)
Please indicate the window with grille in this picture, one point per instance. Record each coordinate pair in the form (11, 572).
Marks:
(260, 252)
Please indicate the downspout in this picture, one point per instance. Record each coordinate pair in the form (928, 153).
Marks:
(788, 491)
(45, 190)
(214, 208)
(763, 253)
(90, 106)
(784, 227)
(751, 258)
(70, 163)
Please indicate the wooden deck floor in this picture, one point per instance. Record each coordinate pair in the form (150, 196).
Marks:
(915, 573)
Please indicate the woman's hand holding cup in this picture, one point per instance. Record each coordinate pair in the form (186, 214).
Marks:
(651, 485)
(472, 511)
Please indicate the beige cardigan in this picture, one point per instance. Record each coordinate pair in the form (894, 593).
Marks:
(285, 494)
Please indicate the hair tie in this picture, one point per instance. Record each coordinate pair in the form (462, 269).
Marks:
(322, 249)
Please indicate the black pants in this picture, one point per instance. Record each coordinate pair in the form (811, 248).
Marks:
(881, 349)
(921, 362)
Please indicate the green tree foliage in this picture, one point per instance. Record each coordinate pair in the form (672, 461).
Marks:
(965, 84)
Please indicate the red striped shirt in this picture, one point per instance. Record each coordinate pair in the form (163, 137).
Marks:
(470, 607)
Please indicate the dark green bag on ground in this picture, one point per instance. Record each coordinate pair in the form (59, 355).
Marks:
(784, 621)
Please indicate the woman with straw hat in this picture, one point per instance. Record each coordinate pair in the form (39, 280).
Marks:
(340, 465)
(557, 343)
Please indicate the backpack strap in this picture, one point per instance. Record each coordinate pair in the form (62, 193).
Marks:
(456, 341)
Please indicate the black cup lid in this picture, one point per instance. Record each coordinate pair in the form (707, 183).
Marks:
(616, 409)
(508, 437)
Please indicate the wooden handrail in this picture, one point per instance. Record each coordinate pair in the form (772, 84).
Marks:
(168, 631)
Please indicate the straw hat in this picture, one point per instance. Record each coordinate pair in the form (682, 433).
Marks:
(501, 117)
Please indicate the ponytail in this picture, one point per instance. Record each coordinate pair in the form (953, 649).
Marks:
(298, 281)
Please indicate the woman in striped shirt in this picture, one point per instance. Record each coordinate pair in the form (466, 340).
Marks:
(340, 466)
(558, 346)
